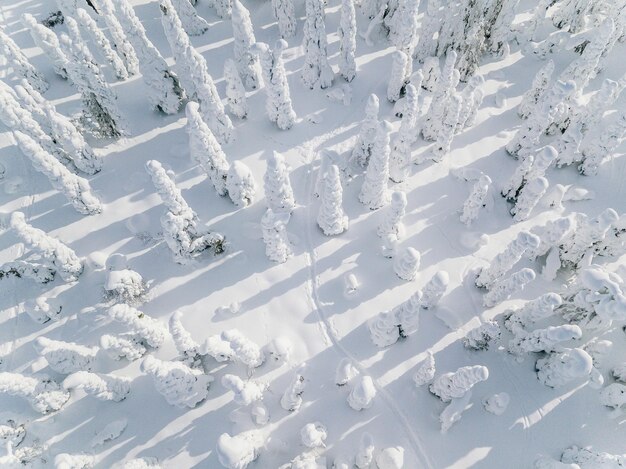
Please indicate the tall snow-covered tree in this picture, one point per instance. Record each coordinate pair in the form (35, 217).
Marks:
(374, 192)
(540, 84)
(448, 127)
(427, 44)
(596, 150)
(472, 98)
(476, 200)
(20, 63)
(120, 42)
(278, 191)
(43, 394)
(235, 91)
(367, 133)
(347, 38)
(504, 288)
(243, 34)
(193, 23)
(398, 77)
(529, 197)
(284, 13)
(104, 387)
(316, 71)
(331, 218)
(400, 156)
(571, 14)
(444, 88)
(48, 42)
(277, 247)
(240, 184)
(395, 211)
(404, 33)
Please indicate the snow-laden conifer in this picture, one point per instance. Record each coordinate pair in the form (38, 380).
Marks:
(120, 42)
(188, 348)
(193, 23)
(331, 218)
(285, 15)
(66, 357)
(240, 184)
(504, 288)
(44, 395)
(151, 331)
(243, 33)
(367, 132)
(235, 91)
(273, 228)
(347, 38)
(291, 399)
(596, 150)
(529, 197)
(20, 63)
(471, 99)
(443, 90)
(447, 129)
(316, 71)
(561, 367)
(392, 221)
(454, 385)
(374, 191)
(400, 156)
(278, 191)
(398, 75)
(406, 263)
(543, 340)
(48, 42)
(540, 84)
(476, 200)
(104, 387)
(532, 311)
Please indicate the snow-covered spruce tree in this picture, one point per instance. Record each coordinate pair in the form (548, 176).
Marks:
(529, 169)
(66, 357)
(403, 33)
(596, 150)
(367, 133)
(426, 372)
(316, 71)
(374, 192)
(532, 311)
(476, 200)
(150, 331)
(185, 345)
(42, 309)
(481, 337)
(33, 102)
(406, 264)
(446, 134)
(240, 184)
(503, 289)
(331, 218)
(277, 247)
(344, 372)
(539, 86)
(124, 285)
(179, 222)
(100, 111)
(472, 98)
(284, 13)
(278, 191)
(444, 88)
(347, 40)
(362, 394)
(277, 98)
(40, 273)
(431, 72)
(44, 395)
(291, 399)
(398, 77)
(561, 367)
(73, 187)
(543, 340)
(104, 387)
(205, 150)
(383, 328)
(165, 92)
(48, 42)
(238, 451)
(455, 385)
(120, 43)
(235, 91)
(246, 392)
(506, 259)
(243, 34)
(193, 23)
(471, 49)
(435, 289)
(427, 45)
(501, 30)
(242, 349)
(20, 63)
(571, 14)
(123, 346)
(98, 38)
(528, 198)
(392, 221)
(400, 156)
(63, 259)
(176, 382)
(407, 315)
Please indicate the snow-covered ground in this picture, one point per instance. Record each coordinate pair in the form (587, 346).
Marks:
(302, 300)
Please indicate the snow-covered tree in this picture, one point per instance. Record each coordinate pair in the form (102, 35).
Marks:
(427, 45)
(362, 393)
(44, 395)
(531, 98)
(20, 63)
(48, 42)
(447, 130)
(42, 309)
(374, 192)
(284, 13)
(471, 99)
(407, 314)
(345, 372)
(561, 367)
(443, 91)
(120, 42)
(122, 284)
(571, 14)
(586, 237)
(82, 461)
(185, 345)
(476, 200)
(406, 263)
(501, 30)
(291, 399)
(347, 38)
(150, 331)
(532, 311)
(243, 33)
(235, 92)
(529, 197)
(403, 32)
(105, 387)
(506, 259)
(165, 92)
(400, 156)
(365, 454)
(313, 435)
(66, 357)
(237, 452)
(316, 71)
(589, 458)
(398, 75)
(426, 372)
(367, 133)
(392, 221)
(193, 23)
(435, 289)
(481, 337)
(543, 340)
(240, 184)
(205, 150)
(278, 100)
(614, 396)
(331, 218)
(454, 385)
(63, 259)
(176, 382)
(127, 346)
(278, 191)
(38, 272)
(383, 328)
(431, 72)
(504, 288)
(246, 392)
(179, 222)
(596, 150)
(273, 227)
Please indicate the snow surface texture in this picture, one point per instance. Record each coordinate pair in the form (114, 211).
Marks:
(314, 308)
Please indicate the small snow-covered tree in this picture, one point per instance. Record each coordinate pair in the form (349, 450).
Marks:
(571, 14)
(193, 23)
(406, 264)
(345, 372)
(20, 63)
(122, 284)
(407, 315)
(431, 72)
(127, 346)
(539, 86)
(235, 92)
(243, 33)
(559, 368)
(454, 385)
(237, 452)
(277, 247)
(383, 328)
(614, 396)
(205, 149)
(374, 192)
(528, 198)
(186, 346)
(543, 340)
(38, 272)
(48, 42)
(240, 184)
(448, 128)
(313, 435)
(63, 259)
(476, 200)
(392, 221)
(435, 289)
(176, 382)
(44, 395)
(331, 218)
(165, 92)
(82, 461)
(246, 392)
(398, 75)
(532, 311)
(42, 309)
(278, 191)
(347, 38)
(367, 133)
(284, 13)
(316, 71)
(586, 237)
(400, 156)
(503, 289)
(443, 90)
(278, 100)
(151, 331)
(104, 387)
(66, 357)
(362, 394)
(596, 150)
(120, 42)
(481, 337)
(426, 372)
(291, 399)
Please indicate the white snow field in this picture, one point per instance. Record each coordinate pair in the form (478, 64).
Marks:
(282, 329)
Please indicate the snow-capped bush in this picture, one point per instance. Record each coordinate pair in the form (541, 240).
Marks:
(292, 397)
(66, 357)
(345, 372)
(151, 331)
(102, 386)
(559, 368)
(176, 382)
(316, 71)
(127, 346)
(532, 97)
(454, 385)
(503, 289)
(243, 34)
(313, 435)
(235, 91)
(185, 345)
(48, 42)
(124, 286)
(44, 395)
(237, 452)
(273, 227)
(407, 263)
(331, 218)
(362, 393)
(347, 38)
(278, 191)
(390, 458)
(533, 311)
(480, 337)
(62, 258)
(246, 392)
(392, 221)
(286, 17)
(543, 340)
(476, 200)
(20, 64)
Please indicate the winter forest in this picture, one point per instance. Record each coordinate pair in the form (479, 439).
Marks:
(306, 234)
